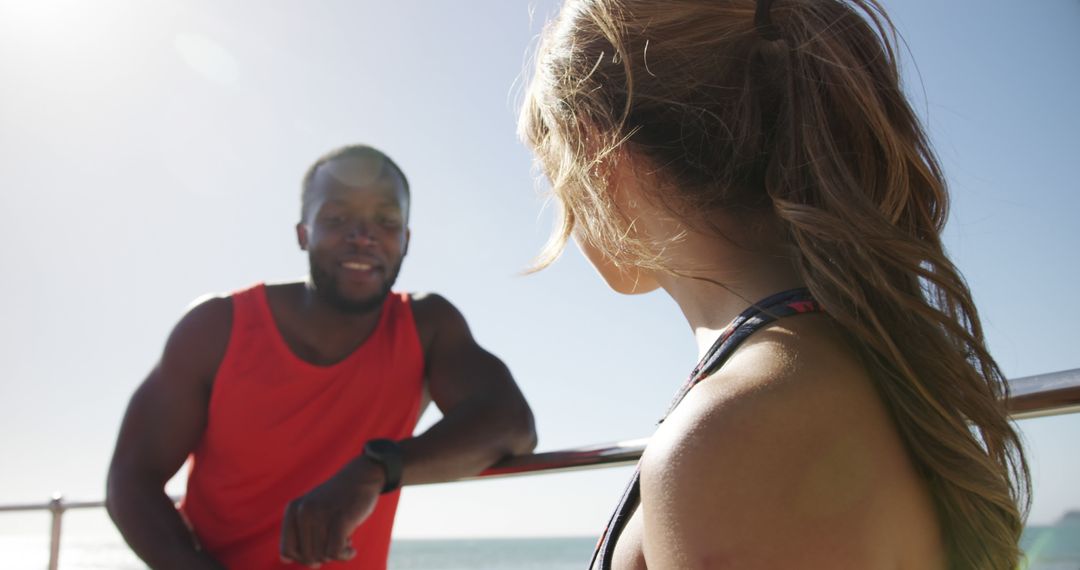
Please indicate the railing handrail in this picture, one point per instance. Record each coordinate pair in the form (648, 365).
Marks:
(1048, 394)
(1034, 396)
(64, 505)
(1031, 396)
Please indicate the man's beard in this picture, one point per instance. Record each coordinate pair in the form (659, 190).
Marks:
(327, 290)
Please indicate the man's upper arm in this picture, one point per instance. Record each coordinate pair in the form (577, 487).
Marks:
(167, 414)
(459, 371)
(458, 368)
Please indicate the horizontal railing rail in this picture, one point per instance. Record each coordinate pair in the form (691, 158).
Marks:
(56, 503)
(1050, 394)
(1041, 395)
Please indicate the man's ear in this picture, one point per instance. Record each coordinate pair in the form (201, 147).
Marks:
(302, 235)
(408, 235)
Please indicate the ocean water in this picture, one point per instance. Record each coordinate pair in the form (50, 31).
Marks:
(80, 553)
(1051, 547)
(509, 554)
(1055, 547)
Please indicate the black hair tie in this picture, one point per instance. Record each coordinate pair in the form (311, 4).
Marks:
(763, 21)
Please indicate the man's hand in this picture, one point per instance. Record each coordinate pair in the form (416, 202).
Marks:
(317, 525)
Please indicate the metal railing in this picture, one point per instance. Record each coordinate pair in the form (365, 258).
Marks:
(1041, 395)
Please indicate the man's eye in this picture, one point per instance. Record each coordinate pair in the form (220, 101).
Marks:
(388, 221)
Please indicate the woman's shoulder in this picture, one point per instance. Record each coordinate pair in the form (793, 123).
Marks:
(784, 457)
(799, 375)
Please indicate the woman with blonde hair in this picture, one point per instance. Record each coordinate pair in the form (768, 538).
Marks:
(760, 163)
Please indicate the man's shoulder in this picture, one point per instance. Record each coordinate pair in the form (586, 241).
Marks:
(206, 324)
(197, 344)
(436, 316)
(208, 311)
(428, 304)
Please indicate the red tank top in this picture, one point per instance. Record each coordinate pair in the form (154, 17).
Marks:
(278, 426)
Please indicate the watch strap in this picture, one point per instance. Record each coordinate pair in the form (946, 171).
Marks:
(387, 453)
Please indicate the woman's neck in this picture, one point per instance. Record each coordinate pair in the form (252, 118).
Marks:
(711, 296)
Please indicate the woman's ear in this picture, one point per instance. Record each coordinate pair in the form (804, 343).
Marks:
(627, 176)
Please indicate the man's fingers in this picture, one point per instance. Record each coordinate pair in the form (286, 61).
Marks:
(306, 537)
(337, 540)
(316, 522)
(289, 552)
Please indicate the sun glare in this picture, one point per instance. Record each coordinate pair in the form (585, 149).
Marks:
(43, 17)
(206, 57)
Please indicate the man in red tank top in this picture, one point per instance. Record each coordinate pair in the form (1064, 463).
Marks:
(296, 402)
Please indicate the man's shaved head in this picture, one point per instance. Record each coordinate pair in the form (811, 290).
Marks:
(369, 162)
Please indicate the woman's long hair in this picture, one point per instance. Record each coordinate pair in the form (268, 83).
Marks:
(796, 111)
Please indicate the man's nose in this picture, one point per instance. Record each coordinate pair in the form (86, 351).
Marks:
(360, 233)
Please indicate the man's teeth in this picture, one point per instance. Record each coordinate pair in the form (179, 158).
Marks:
(356, 265)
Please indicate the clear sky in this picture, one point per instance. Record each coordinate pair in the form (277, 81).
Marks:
(151, 151)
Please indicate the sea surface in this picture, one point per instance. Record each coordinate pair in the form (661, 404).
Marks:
(1051, 547)
(21, 552)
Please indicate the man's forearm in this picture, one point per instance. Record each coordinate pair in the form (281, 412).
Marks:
(469, 439)
(151, 525)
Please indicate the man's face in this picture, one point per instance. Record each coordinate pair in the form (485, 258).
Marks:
(355, 232)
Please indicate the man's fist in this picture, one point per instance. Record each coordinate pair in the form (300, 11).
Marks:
(317, 525)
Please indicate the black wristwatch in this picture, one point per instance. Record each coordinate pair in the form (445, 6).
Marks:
(387, 453)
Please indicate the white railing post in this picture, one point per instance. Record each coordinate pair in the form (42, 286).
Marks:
(56, 507)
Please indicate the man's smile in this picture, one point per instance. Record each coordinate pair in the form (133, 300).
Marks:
(357, 265)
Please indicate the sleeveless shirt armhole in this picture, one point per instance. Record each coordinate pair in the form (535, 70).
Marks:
(240, 301)
(413, 333)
